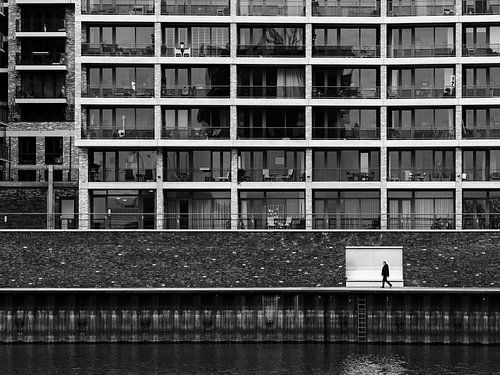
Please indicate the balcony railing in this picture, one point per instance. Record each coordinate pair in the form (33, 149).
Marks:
(419, 92)
(40, 92)
(196, 133)
(343, 174)
(183, 7)
(481, 7)
(490, 49)
(420, 133)
(221, 91)
(352, 220)
(430, 9)
(272, 133)
(421, 221)
(270, 175)
(481, 174)
(201, 51)
(346, 51)
(203, 174)
(351, 92)
(481, 132)
(481, 91)
(41, 58)
(321, 8)
(271, 50)
(283, 8)
(345, 133)
(117, 220)
(9, 220)
(271, 91)
(102, 49)
(284, 221)
(99, 133)
(481, 220)
(117, 92)
(121, 175)
(134, 7)
(421, 51)
(404, 174)
(190, 220)
(41, 25)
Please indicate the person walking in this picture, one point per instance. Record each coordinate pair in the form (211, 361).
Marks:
(385, 275)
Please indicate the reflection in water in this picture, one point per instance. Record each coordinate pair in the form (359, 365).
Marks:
(246, 359)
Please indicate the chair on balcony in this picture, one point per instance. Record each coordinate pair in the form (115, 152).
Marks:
(224, 178)
(270, 223)
(266, 175)
(129, 175)
(177, 52)
(288, 176)
(187, 52)
(148, 175)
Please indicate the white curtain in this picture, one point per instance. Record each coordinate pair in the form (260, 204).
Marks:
(424, 213)
(290, 82)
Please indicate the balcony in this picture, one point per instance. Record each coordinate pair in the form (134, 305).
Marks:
(190, 7)
(117, 92)
(481, 132)
(421, 221)
(97, 174)
(41, 25)
(352, 220)
(189, 220)
(270, 175)
(136, 220)
(405, 174)
(256, 50)
(481, 7)
(41, 58)
(490, 49)
(421, 51)
(478, 91)
(420, 133)
(342, 132)
(419, 92)
(278, 221)
(131, 7)
(431, 8)
(343, 174)
(272, 133)
(481, 220)
(220, 91)
(346, 51)
(196, 133)
(201, 174)
(271, 91)
(283, 8)
(345, 8)
(102, 49)
(187, 51)
(11, 220)
(100, 133)
(40, 92)
(342, 92)
(482, 174)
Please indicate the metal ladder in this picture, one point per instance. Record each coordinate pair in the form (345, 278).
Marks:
(361, 319)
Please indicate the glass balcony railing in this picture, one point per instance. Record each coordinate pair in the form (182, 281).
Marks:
(420, 133)
(421, 51)
(482, 174)
(281, 8)
(41, 58)
(430, 8)
(189, 220)
(271, 91)
(203, 174)
(346, 51)
(196, 91)
(131, 7)
(259, 220)
(341, 132)
(196, 133)
(343, 8)
(271, 50)
(118, 220)
(100, 133)
(419, 92)
(42, 25)
(200, 51)
(481, 220)
(347, 220)
(345, 174)
(421, 221)
(40, 92)
(481, 132)
(103, 92)
(490, 49)
(122, 175)
(405, 174)
(198, 8)
(479, 91)
(103, 49)
(270, 174)
(351, 92)
(272, 133)
(481, 7)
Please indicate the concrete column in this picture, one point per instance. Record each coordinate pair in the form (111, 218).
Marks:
(458, 122)
(383, 8)
(160, 206)
(383, 81)
(233, 81)
(383, 40)
(458, 8)
(234, 190)
(308, 40)
(158, 39)
(234, 39)
(458, 188)
(158, 123)
(308, 119)
(234, 9)
(308, 81)
(458, 80)
(309, 192)
(50, 197)
(233, 124)
(383, 167)
(83, 191)
(308, 5)
(157, 107)
(458, 40)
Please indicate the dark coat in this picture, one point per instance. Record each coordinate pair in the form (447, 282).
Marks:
(385, 270)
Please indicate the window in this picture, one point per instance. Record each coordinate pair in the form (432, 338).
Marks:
(346, 165)
(481, 122)
(27, 150)
(481, 209)
(280, 82)
(421, 165)
(271, 165)
(345, 41)
(425, 123)
(345, 123)
(279, 122)
(200, 165)
(481, 165)
(53, 150)
(198, 41)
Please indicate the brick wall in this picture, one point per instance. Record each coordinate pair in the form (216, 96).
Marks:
(237, 259)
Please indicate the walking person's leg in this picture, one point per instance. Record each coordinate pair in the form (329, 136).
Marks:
(384, 279)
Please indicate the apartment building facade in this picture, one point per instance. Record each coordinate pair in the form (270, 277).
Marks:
(297, 114)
